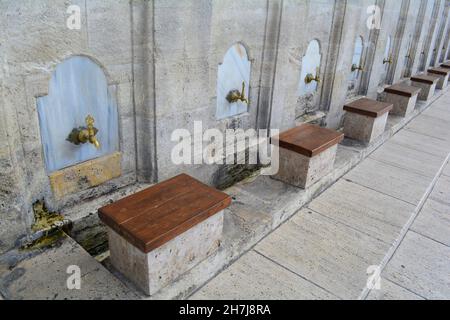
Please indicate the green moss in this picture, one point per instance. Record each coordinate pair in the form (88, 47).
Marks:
(47, 223)
(50, 239)
(43, 219)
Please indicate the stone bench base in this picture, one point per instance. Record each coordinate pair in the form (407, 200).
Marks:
(427, 91)
(302, 171)
(403, 106)
(403, 97)
(154, 270)
(363, 128)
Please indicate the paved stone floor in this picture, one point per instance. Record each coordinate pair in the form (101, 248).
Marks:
(390, 214)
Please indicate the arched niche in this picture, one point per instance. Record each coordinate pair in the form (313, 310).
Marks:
(357, 57)
(78, 88)
(408, 57)
(387, 51)
(310, 65)
(232, 73)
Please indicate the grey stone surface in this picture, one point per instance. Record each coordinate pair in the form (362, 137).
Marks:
(364, 128)
(431, 126)
(412, 160)
(255, 277)
(433, 221)
(446, 170)
(43, 275)
(403, 106)
(390, 180)
(421, 266)
(422, 143)
(441, 191)
(392, 291)
(302, 171)
(311, 242)
(154, 270)
(366, 210)
(427, 90)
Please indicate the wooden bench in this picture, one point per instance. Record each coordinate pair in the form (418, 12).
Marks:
(162, 232)
(442, 73)
(446, 65)
(403, 97)
(365, 119)
(306, 154)
(426, 83)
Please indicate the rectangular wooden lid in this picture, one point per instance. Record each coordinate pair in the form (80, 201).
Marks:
(308, 139)
(403, 90)
(441, 71)
(150, 218)
(425, 79)
(368, 107)
(446, 65)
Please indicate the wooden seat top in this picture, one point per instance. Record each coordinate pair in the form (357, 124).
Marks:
(439, 70)
(150, 218)
(308, 140)
(403, 90)
(423, 78)
(446, 65)
(368, 107)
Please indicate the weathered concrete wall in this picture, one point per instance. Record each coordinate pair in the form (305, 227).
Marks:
(163, 58)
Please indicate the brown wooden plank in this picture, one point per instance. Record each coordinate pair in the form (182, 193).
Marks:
(439, 70)
(132, 205)
(403, 90)
(158, 214)
(423, 78)
(368, 107)
(446, 65)
(308, 139)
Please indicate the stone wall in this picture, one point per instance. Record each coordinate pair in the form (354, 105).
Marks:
(163, 56)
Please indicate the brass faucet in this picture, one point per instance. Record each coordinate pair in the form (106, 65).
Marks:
(235, 95)
(86, 134)
(355, 67)
(310, 77)
(388, 60)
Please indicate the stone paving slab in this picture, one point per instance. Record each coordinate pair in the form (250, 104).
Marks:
(390, 180)
(421, 265)
(392, 291)
(255, 277)
(434, 221)
(441, 191)
(430, 126)
(43, 275)
(422, 143)
(366, 210)
(446, 171)
(325, 252)
(440, 112)
(409, 159)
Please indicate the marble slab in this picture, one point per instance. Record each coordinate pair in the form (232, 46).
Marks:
(421, 265)
(254, 277)
(328, 253)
